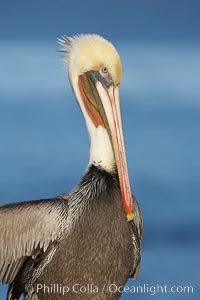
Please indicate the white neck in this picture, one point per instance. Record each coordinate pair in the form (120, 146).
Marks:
(101, 152)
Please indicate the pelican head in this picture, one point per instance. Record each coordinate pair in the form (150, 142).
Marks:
(95, 71)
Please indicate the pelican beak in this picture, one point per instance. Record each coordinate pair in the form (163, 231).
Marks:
(101, 100)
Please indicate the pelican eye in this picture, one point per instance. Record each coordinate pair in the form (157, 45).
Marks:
(104, 70)
(105, 76)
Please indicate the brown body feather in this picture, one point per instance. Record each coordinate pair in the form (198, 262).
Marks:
(92, 242)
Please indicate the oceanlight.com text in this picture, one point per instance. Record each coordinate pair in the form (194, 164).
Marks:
(146, 288)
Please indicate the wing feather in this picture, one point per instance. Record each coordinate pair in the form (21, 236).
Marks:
(136, 227)
(26, 227)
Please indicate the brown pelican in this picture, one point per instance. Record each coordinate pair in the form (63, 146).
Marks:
(85, 244)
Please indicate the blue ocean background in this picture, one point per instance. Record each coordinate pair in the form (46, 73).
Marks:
(44, 143)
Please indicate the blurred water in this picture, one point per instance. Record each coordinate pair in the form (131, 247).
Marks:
(44, 145)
